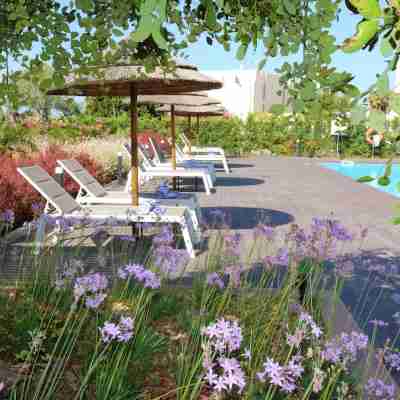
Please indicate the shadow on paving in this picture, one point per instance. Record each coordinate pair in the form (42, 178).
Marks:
(247, 217)
(237, 181)
(240, 165)
(373, 293)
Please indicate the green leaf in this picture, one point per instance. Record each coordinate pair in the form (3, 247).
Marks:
(278, 109)
(117, 32)
(351, 90)
(396, 221)
(298, 105)
(162, 7)
(377, 120)
(309, 91)
(289, 6)
(159, 38)
(261, 64)
(386, 48)
(241, 52)
(144, 30)
(384, 181)
(382, 85)
(84, 5)
(398, 186)
(364, 179)
(211, 16)
(148, 7)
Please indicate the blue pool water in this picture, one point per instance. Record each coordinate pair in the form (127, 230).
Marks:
(356, 171)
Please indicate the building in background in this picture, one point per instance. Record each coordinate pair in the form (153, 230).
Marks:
(247, 91)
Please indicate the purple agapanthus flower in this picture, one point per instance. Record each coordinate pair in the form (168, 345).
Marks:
(224, 336)
(170, 260)
(231, 377)
(282, 376)
(7, 216)
(109, 332)
(127, 238)
(138, 272)
(95, 301)
(265, 231)
(282, 257)
(378, 323)
(165, 237)
(308, 321)
(392, 360)
(37, 208)
(121, 332)
(91, 287)
(232, 244)
(213, 279)
(344, 348)
(379, 390)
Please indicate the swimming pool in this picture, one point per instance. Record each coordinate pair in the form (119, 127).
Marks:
(355, 171)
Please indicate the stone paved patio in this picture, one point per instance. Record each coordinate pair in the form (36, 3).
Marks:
(287, 190)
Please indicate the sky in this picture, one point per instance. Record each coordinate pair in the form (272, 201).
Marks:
(364, 65)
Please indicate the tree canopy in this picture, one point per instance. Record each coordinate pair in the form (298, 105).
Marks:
(78, 33)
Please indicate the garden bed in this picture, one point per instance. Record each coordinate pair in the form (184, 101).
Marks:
(80, 334)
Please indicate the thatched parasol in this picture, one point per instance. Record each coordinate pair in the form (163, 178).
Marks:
(132, 80)
(196, 111)
(171, 101)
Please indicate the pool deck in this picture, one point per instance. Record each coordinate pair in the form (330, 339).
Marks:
(294, 190)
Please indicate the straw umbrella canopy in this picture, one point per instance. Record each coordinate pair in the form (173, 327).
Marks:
(171, 102)
(131, 80)
(213, 110)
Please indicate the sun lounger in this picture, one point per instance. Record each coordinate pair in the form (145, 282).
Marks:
(61, 203)
(199, 149)
(160, 160)
(146, 171)
(92, 192)
(206, 157)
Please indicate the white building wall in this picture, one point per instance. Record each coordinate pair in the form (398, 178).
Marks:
(237, 94)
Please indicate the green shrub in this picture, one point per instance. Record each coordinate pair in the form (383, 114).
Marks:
(260, 131)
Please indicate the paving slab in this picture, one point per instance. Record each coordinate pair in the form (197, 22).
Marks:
(284, 190)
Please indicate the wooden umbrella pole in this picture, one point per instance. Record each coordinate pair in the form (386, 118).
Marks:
(173, 142)
(190, 133)
(134, 146)
(198, 127)
(173, 137)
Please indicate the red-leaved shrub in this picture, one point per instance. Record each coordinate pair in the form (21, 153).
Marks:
(143, 138)
(18, 195)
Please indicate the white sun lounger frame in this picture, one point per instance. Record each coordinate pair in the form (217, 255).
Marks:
(61, 203)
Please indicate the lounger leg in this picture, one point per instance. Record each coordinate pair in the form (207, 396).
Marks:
(196, 225)
(226, 166)
(206, 185)
(210, 181)
(187, 239)
(40, 235)
(128, 182)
